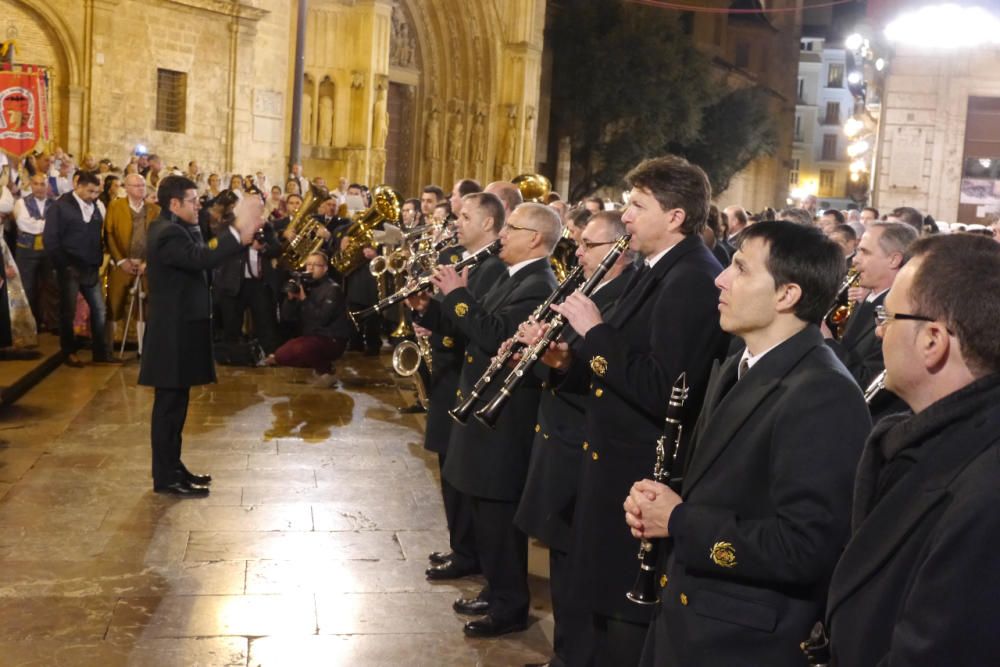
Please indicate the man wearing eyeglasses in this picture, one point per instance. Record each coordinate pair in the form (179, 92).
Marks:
(918, 583)
(546, 508)
(665, 323)
(764, 506)
(881, 255)
(489, 465)
(178, 344)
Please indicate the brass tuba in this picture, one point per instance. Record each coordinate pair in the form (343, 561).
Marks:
(536, 188)
(533, 187)
(386, 206)
(305, 231)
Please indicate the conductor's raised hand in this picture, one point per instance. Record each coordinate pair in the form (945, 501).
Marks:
(249, 218)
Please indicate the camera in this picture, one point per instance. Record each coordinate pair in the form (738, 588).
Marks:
(298, 279)
(260, 237)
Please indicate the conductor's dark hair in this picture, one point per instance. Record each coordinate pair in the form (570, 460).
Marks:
(173, 187)
(802, 256)
(87, 178)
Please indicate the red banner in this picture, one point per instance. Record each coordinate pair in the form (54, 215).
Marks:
(24, 112)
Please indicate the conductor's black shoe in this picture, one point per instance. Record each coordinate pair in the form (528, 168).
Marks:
(487, 626)
(439, 557)
(415, 409)
(448, 571)
(183, 489)
(192, 478)
(471, 606)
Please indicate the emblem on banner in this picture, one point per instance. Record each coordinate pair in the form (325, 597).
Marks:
(23, 110)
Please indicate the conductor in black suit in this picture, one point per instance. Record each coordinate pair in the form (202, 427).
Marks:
(179, 331)
(765, 499)
(479, 224)
(489, 465)
(918, 583)
(665, 323)
(549, 498)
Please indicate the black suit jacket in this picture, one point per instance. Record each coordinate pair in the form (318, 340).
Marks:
(229, 276)
(549, 497)
(860, 349)
(918, 583)
(69, 240)
(483, 462)
(178, 340)
(448, 351)
(767, 496)
(665, 324)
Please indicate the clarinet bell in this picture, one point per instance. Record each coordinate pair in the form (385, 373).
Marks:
(460, 413)
(490, 413)
(644, 589)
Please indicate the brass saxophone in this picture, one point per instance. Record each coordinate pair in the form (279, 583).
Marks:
(385, 206)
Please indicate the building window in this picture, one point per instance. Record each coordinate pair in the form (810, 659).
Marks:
(826, 177)
(805, 45)
(171, 100)
(835, 76)
(832, 113)
(829, 147)
(802, 91)
(793, 173)
(741, 56)
(798, 128)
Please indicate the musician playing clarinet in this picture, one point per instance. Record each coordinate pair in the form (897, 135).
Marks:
(764, 508)
(664, 324)
(489, 465)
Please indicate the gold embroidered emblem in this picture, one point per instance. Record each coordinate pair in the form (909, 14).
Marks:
(461, 309)
(538, 428)
(213, 244)
(599, 365)
(448, 341)
(684, 600)
(663, 581)
(454, 259)
(723, 554)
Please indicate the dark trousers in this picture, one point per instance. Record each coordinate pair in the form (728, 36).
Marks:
(572, 634)
(503, 555)
(315, 352)
(369, 334)
(69, 287)
(34, 267)
(256, 296)
(617, 643)
(458, 512)
(170, 407)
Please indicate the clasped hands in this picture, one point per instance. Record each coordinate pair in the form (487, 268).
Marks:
(249, 218)
(648, 508)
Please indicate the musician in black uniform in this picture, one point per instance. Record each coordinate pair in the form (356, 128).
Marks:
(546, 508)
(666, 323)
(178, 340)
(362, 291)
(918, 583)
(479, 223)
(487, 465)
(766, 491)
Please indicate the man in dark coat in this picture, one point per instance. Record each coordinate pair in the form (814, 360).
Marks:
(178, 340)
(489, 465)
(549, 498)
(479, 223)
(74, 229)
(666, 323)
(918, 583)
(766, 492)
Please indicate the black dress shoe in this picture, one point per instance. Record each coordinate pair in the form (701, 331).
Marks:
(73, 361)
(471, 606)
(192, 478)
(487, 626)
(439, 557)
(449, 570)
(415, 409)
(183, 489)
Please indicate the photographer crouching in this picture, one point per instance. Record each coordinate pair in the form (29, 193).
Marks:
(315, 305)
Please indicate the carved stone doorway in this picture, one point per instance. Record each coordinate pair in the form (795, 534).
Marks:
(399, 143)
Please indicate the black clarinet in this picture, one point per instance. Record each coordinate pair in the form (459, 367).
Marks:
(644, 590)
(423, 284)
(490, 412)
(542, 313)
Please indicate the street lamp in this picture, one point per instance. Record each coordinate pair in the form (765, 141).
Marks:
(945, 26)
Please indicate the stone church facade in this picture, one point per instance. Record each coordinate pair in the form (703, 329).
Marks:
(399, 91)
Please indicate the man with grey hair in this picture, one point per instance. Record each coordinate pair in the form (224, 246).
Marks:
(797, 215)
(508, 193)
(489, 465)
(125, 229)
(881, 254)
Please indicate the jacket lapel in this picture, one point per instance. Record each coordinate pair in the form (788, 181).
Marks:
(731, 411)
(637, 295)
(892, 520)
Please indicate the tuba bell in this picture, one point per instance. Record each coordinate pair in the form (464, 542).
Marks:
(305, 238)
(536, 188)
(386, 206)
(533, 187)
